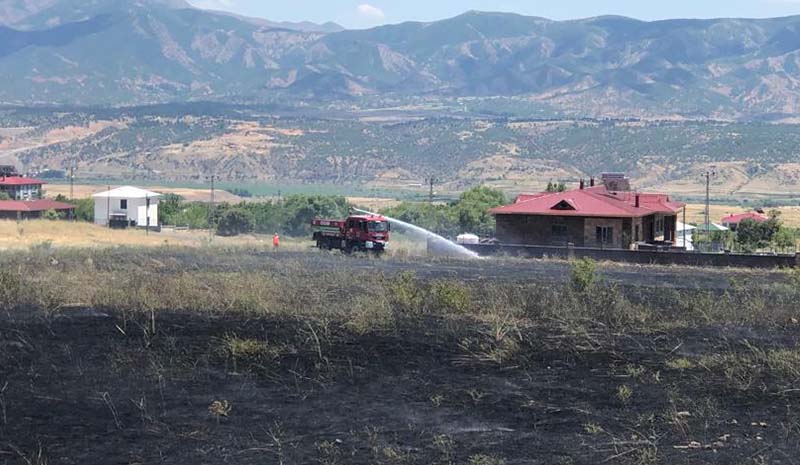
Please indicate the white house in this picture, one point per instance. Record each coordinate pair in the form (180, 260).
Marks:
(126, 205)
(684, 230)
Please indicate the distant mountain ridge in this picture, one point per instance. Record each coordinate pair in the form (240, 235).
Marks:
(117, 52)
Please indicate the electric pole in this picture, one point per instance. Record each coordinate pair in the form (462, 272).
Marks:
(71, 182)
(147, 214)
(211, 206)
(708, 175)
(431, 181)
(71, 191)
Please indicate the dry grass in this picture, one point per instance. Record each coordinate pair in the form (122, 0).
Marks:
(43, 233)
(62, 234)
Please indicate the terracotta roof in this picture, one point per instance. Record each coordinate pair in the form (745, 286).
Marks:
(591, 202)
(19, 181)
(33, 205)
(736, 219)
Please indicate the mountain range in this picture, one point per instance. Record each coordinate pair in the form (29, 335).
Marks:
(122, 52)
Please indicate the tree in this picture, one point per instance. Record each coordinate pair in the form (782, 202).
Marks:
(299, 210)
(785, 239)
(234, 221)
(472, 209)
(168, 208)
(752, 235)
(84, 210)
(556, 187)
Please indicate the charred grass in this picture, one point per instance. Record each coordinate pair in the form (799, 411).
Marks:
(147, 362)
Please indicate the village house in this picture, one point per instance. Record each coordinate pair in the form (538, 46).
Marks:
(732, 221)
(126, 206)
(25, 198)
(606, 216)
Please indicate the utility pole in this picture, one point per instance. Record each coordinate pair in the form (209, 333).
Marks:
(211, 206)
(71, 181)
(108, 207)
(147, 214)
(708, 175)
(431, 181)
(71, 190)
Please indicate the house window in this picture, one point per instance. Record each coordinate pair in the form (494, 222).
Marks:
(605, 234)
(559, 232)
(123, 204)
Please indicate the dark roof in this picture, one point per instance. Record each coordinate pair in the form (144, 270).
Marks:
(33, 205)
(591, 202)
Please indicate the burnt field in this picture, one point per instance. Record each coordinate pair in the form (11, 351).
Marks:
(210, 356)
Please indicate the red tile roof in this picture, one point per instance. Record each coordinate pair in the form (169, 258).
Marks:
(33, 205)
(19, 181)
(736, 219)
(591, 202)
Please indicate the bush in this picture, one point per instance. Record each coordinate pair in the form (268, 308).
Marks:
(51, 215)
(234, 222)
(168, 208)
(240, 192)
(84, 210)
(583, 274)
(451, 296)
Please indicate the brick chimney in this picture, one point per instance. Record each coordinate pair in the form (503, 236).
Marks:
(638, 202)
(582, 184)
(591, 181)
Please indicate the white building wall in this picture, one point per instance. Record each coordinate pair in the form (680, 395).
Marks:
(135, 211)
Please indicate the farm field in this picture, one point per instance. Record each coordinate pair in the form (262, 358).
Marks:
(234, 355)
(695, 213)
(61, 234)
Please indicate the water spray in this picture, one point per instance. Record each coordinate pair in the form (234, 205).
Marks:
(439, 241)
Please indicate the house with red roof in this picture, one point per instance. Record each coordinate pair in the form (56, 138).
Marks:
(732, 221)
(594, 216)
(26, 200)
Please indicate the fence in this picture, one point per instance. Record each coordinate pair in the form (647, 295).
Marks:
(671, 257)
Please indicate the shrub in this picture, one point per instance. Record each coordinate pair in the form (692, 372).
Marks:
(583, 274)
(234, 222)
(51, 215)
(84, 210)
(368, 314)
(450, 295)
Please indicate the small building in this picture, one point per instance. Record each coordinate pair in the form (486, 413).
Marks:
(32, 209)
(20, 187)
(684, 238)
(732, 221)
(594, 216)
(25, 197)
(126, 206)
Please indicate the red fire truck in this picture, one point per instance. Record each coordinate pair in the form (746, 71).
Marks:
(354, 233)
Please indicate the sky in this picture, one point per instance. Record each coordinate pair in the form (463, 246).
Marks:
(369, 13)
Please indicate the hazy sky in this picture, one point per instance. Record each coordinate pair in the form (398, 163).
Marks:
(366, 13)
